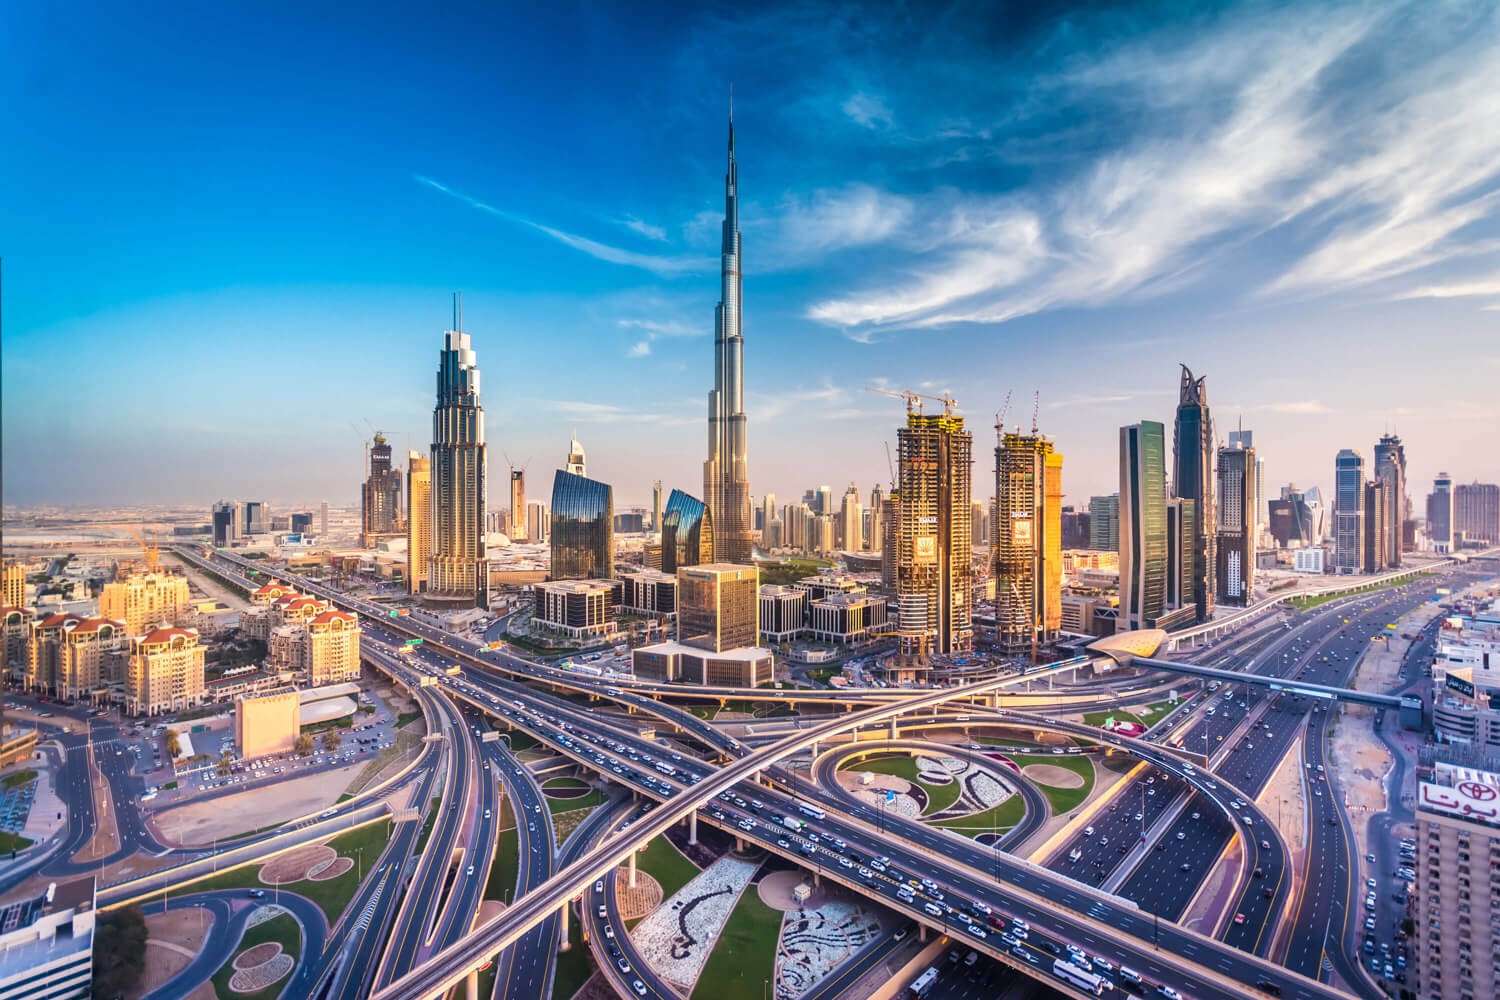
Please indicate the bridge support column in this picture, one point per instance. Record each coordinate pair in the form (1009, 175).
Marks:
(893, 728)
(471, 985)
(739, 844)
(922, 933)
(632, 870)
(563, 943)
(817, 880)
(692, 830)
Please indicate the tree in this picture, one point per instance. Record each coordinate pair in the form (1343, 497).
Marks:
(304, 745)
(174, 746)
(331, 740)
(224, 761)
(119, 952)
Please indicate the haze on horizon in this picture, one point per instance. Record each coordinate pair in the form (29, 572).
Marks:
(230, 240)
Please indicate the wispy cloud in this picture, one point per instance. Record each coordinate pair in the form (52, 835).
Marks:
(1461, 289)
(655, 330)
(610, 413)
(643, 228)
(640, 349)
(1304, 407)
(660, 265)
(856, 215)
(867, 110)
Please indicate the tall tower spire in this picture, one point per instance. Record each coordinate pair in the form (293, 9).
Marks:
(726, 485)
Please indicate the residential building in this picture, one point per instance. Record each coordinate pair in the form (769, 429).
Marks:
(1457, 891)
(458, 569)
(141, 600)
(1348, 511)
(783, 612)
(851, 521)
(726, 480)
(1193, 479)
(890, 526)
(1375, 546)
(767, 517)
(1234, 571)
(1440, 514)
(718, 606)
(268, 723)
(1390, 469)
(418, 520)
(332, 648)
(538, 522)
(1143, 526)
(979, 522)
(15, 632)
(1476, 512)
(47, 943)
(518, 525)
(576, 608)
(380, 495)
(656, 506)
(73, 656)
(12, 585)
(1104, 523)
(583, 528)
(934, 556)
(1026, 551)
(165, 672)
(323, 518)
(687, 536)
(875, 537)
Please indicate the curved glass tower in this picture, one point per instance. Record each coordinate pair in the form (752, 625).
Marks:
(687, 533)
(583, 528)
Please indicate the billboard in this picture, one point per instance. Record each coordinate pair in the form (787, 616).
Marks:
(925, 548)
(1020, 531)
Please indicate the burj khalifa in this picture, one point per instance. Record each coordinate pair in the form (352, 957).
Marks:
(726, 481)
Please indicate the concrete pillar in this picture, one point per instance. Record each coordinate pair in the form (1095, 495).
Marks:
(739, 844)
(817, 879)
(692, 830)
(563, 943)
(893, 727)
(922, 933)
(632, 869)
(471, 985)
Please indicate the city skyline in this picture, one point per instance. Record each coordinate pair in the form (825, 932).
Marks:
(297, 279)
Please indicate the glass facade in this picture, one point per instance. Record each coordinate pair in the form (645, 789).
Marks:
(687, 533)
(1143, 525)
(583, 528)
(1193, 479)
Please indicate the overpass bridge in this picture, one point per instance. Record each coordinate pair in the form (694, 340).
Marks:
(1322, 691)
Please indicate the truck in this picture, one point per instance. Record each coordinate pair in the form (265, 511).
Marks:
(792, 824)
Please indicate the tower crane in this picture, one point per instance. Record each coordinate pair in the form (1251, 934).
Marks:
(152, 549)
(890, 466)
(1000, 414)
(913, 399)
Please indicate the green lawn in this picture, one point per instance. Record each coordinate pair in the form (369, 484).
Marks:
(12, 842)
(745, 952)
(1062, 799)
(552, 783)
(406, 717)
(1098, 718)
(363, 846)
(19, 778)
(940, 797)
(433, 807)
(503, 871)
(666, 864)
(588, 801)
(1157, 709)
(901, 767)
(574, 966)
(283, 928)
(999, 818)
(521, 741)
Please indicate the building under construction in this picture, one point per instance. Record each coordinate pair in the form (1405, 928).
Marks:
(380, 500)
(934, 551)
(1026, 530)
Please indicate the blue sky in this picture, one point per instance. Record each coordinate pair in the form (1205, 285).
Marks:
(230, 233)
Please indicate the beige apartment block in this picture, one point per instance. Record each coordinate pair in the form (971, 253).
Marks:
(268, 723)
(142, 600)
(165, 672)
(332, 648)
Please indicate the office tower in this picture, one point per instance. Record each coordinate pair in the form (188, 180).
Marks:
(934, 557)
(538, 522)
(718, 606)
(301, 524)
(875, 540)
(1348, 511)
(583, 528)
(1104, 523)
(576, 462)
(1242, 438)
(1182, 524)
(1317, 512)
(1390, 469)
(1440, 514)
(1193, 479)
(890, 514)
(165, 672)
(726, 478)
(228, 523)
(257, 517)
(687, 535)
(380, 497)
(1234, 569)
(1456, 905)
(824, 500)
(1375, 542)
(518, 505)
(1026, 534)
(14, 588)
(145, 600)
(1075, 528)
(978, 521)
(1143, 526)
(458, 569)
(656, 506)
(418, 520)
(1476, 512)
(323, 518)
(852, 521)
(1292, 521)
(767, 517)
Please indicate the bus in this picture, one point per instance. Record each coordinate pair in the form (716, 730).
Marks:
(1074, 976)
(808, 810)
(923, 984)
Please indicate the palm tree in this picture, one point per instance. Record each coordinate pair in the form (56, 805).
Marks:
(331, 740)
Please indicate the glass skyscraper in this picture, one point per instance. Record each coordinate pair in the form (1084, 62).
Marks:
(458, 569)
(583, 532)
(1143, 525)
(687, 533)
(1390, 468)
(1193, 479)
(1348, 511)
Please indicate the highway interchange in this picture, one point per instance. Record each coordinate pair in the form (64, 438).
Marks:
(432, 923)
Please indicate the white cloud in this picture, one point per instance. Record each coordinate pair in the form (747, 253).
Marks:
(640, 349)
(1304, 407)
(1482, 286)
(856, 215)
(610, 413)
(867, 110)
(644, 228)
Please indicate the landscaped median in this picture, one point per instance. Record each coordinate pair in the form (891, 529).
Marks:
(266, 955)
(1064, 792)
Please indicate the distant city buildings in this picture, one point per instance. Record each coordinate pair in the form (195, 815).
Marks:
(141, 600)
(934, 559)
(1239, 503)
(458, 569)
(1440, 514)
(1104, 523)
(380, 496)
(1476, 512)
(418, 520)
(1348, 511)
(1026, 551)
(1193, 479)
(1390, 471)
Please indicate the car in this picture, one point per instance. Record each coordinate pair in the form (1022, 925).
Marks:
(609, 931)
(1239, 918)
(257, 893)
(470, 871)
(639, 987)
(603, 912)
(1369, 883)
(1184, 867)
(623, 965)
(599, 886)
(1370, 858)
(1181, 835)
(1265, 845)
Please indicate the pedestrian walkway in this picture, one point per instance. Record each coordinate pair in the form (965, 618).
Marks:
(48, 814)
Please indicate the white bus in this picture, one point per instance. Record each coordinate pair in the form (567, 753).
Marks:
(923, 984)
(812, 811)
(1073, 975)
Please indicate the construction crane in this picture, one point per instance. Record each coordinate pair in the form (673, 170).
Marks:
(1036, 405)
(890, 466)
(1000, 414)
(913, 399)
(151, 549)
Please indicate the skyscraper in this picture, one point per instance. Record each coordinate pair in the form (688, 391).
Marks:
(380, 497)
(1476, 512)
(726, 478)
(1390, 468)
(418, 520)
(767, 518)
(1026, 540)
(934, 559)
(656, 506)
(576, 463)
(1143, 525)
(1375, 543)
(1182, 525)
(228, 523)
(518, 504)
(1104, 523)
(1193, 478)
(851, 520)
(458, 569)
(1234, 568)
(876, 538)
(1440, 514)
(687, 534)
(583, 535)
(1348, 511)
